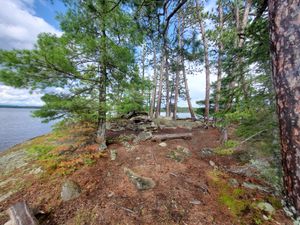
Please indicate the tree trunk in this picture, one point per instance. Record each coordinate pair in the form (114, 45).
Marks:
(101, 131)
(220, 52)
(143, 65)
(284, 17)
(186, 85)
(206, 61)
(152, 105)
(168, 113)
(159, 95)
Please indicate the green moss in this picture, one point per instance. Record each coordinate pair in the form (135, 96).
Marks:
(235, 206)
(231, 144)
(40, 151)
(224, 151)
(275, 202)
(236, 200)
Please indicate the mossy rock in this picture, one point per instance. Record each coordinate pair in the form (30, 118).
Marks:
(179, 154)
(140, 182)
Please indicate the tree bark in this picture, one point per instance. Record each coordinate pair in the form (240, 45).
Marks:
(152, 105)
(159, 94)
(284, 17)
(206, 61)
(168, 112)
(220, 52)
(186, 85)
(163, 137)
(101, 131)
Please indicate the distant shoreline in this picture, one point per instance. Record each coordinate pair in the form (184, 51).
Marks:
(20, 107)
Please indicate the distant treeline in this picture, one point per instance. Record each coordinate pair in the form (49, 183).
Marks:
(181, 110)
(18, 106)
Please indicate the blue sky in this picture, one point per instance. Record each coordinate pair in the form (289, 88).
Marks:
(20, 23)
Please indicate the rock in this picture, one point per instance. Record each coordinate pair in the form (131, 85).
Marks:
(36, 171)
(128, 146)
(102, 147)
(141, 183)
(9, 223)
(266, 207)
(70, 190)
(212, 163)
(110, 194)
(113, 155)
(206, 152)
(233, 182)
(245, 170)
(143, 136)
(137, 158)
(196, 202)
(265, 218)
(255, 187)
(179, 154)
(163, 144)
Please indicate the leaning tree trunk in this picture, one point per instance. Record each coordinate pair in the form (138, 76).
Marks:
(186, 86)
(284, 19)
(220, 52)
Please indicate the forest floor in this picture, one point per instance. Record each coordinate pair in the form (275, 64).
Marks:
(192, 184)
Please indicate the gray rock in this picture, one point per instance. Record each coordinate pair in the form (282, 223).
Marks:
(143, 136)
(141, 183)
(206, 152)
(212, 163)
(163, 144)
(180, 154)
(266, 207)
(196, 202)
(184, 150)
(10, 222)
(36, 171)
(102, 147)
(70, 190)
(233, 182)
(113, 155)
(256, 187)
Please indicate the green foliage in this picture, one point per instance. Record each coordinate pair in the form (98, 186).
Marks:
(93, 52)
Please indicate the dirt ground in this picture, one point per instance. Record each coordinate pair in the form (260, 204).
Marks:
(186, 192)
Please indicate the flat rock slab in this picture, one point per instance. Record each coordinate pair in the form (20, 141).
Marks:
(140, 182)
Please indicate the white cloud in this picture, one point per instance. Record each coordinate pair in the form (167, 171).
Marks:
(12, 96)
(19, 28)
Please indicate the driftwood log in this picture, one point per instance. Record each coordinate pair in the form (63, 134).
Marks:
(163, 137)
(21, 214)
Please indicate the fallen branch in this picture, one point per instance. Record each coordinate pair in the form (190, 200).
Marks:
(163, 137)
(252, 136)
(126, 209)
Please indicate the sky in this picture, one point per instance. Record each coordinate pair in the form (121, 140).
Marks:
(20, 23)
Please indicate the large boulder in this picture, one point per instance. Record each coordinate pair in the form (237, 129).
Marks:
(141, 183)
(70, 190)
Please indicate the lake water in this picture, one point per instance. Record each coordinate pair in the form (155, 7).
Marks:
(17, 125)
